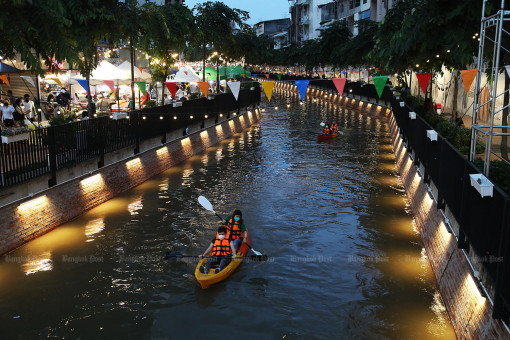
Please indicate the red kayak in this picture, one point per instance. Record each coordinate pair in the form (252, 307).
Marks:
(331, 136)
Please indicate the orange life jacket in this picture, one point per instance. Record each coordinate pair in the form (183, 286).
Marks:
(334, 127)
(234, 230)
(221, 247)
(326, 131)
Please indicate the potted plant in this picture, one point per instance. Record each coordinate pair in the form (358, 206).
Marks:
(14, 134)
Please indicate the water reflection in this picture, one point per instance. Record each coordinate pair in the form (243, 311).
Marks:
(93, 228)
(38, 263)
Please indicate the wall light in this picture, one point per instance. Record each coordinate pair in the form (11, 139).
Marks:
(34, 204)
(175, 117)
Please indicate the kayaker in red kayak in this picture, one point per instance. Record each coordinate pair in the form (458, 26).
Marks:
(236, 230)
(334, 127)
(326, 131)
(222, 251)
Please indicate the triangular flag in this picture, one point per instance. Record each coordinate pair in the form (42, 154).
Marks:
(267, 76)
(83, 83)
(141, 86)
(110, 84)
(254, 76)
(186, 72)
(302, 85)
(279, 76)
(5, 80)
(423, 79)
(339, 84)
(268, 87)
(172, 88)
(468, 76)
(141, 69)
(29, 79)
(175, 72)
(56, 80)
(379, 83)
(235, 86)
(204, 87)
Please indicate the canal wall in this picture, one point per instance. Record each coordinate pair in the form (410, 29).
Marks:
(86, 187)
(470, 312)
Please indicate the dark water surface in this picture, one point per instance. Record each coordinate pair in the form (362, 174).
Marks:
(346, 261)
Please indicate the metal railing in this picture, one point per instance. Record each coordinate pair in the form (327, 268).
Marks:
(47, 150)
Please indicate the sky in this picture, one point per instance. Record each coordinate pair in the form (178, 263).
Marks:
(260, 10)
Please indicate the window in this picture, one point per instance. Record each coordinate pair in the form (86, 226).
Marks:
(354, 3)
(365, 15)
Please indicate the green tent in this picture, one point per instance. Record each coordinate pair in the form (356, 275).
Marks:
(210, 74)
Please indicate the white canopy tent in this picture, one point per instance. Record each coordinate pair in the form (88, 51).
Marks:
(141, 75)
(107, 71)
(185, 75)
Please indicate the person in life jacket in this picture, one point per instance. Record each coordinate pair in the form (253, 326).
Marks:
(334, 127)
(221, 249)
(326, 131)
(236, 230)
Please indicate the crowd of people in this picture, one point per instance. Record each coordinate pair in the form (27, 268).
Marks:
(17, 111)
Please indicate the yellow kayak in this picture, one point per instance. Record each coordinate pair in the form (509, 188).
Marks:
(211, 278)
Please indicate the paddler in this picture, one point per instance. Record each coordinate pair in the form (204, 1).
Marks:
(326, 131)
(222, 251)
(334, 128)
(236, 230)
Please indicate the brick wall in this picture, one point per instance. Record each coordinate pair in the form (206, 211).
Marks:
(26, 219)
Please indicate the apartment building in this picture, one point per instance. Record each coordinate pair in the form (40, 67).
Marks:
(354, 10)
(305, 19)
(277, 30)
(309, 17)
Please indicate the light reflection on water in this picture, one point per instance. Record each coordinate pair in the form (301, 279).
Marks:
(347, 261)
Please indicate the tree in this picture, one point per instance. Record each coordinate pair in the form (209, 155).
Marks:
(37, 30)
(166, 29)
(215, 23)
(332, 41)
(92, 21)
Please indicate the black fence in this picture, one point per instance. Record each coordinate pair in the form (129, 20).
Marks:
(46, 150)
(484, 221)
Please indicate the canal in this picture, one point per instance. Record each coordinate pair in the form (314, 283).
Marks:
(346, 261)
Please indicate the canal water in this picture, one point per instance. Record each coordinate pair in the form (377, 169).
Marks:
(345, 261)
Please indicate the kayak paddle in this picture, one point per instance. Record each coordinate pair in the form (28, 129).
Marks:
(208, 206)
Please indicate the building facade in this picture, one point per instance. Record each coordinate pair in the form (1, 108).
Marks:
(276, 30)
(310, 17)
(305, 19)
(355, 10)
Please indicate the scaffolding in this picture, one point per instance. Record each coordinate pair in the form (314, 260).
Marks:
(491, 32)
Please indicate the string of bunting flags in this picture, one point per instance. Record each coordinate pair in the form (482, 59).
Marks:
(302, 85)
(468, 76)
